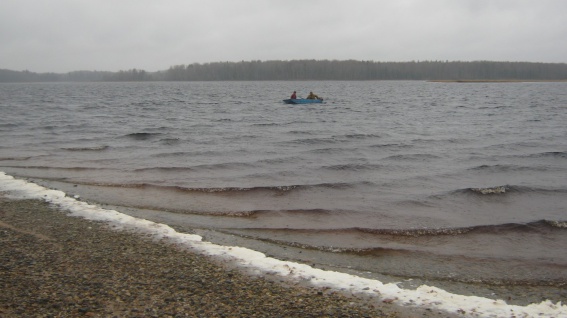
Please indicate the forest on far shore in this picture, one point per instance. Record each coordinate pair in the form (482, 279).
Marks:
(299, 70)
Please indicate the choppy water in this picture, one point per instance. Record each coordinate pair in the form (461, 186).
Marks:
(455, 181)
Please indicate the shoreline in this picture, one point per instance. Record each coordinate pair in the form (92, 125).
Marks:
(49, 214)
(497, 81)
(514, 292)
(55, 264)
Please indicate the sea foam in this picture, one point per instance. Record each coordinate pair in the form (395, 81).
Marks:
(423, 297)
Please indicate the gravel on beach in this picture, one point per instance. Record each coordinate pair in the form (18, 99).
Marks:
(53, 265)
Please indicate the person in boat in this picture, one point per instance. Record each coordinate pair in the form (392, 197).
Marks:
(293, 96)
(312, 96)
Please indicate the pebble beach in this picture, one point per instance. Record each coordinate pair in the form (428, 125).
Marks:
(54, 265)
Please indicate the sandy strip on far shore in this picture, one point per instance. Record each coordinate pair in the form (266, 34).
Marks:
(55, 265)
(497, 81)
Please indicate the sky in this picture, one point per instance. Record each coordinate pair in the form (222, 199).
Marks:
(111, 35)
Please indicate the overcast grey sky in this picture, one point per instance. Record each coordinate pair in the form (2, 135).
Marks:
(111, 35)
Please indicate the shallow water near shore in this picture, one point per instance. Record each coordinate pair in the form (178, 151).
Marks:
(465, 180)
(368, 288)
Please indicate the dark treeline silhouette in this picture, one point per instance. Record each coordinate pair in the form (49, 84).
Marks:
(315, 70)
(365, 70)
(76, 76)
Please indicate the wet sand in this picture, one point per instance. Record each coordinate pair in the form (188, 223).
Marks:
(53, 265)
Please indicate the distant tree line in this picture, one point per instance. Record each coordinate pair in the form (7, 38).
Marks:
(315, 70)
(76, 76)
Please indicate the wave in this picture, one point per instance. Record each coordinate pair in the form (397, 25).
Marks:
(170, 141)
(277, 189)
(279, 160)
(504, 189)
(163, 169)
(59, 168)
(531, 227)
(506, 168)
(222, 120)
(192, 189)
(46, 127)
(266, 124)
(300, 132)
(492, 190)
(352, 167)
(393, 145)
(377, 232)
(549, 154)
(224, 165)
(258, 213)
(334, 249)
(14, 158)
(557, 224)
(536, 226)
(332, 139)
(93, 148)
(537, 155)
(211, 153)
(311, 141)
(8, 125)
(358, 136)
(413, 157)
(215, 166)
(142, 135)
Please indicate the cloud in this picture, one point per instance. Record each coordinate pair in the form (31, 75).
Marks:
(66, 35)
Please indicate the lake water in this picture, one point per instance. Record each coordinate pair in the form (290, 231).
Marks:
(453, 181)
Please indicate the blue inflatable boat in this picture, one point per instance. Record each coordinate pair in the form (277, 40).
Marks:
(302, 101)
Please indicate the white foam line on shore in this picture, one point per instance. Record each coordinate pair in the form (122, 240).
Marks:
(424, 296)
